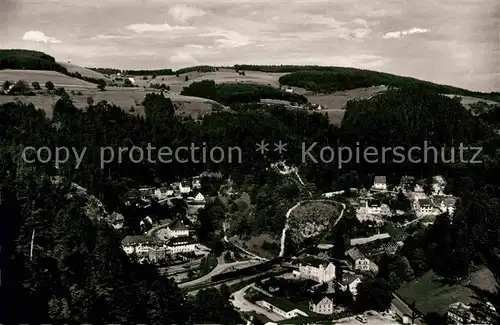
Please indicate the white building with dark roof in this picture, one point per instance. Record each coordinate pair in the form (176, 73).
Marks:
(282, 307)
(140, 245)
(425, 207)
(316, 269)
(178, 245)
(321, 305)
(350, 282)
(380, 183)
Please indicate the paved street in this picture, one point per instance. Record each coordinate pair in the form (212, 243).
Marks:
(244, 305)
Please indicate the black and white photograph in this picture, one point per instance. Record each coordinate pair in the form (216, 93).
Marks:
(250, 162)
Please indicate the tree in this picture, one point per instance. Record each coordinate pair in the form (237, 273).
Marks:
(90, 101)
(20, 87)
(49, 85)
(186, 78)
(6, 85)
(224, 291)
(36, 85)
(373, 295)
(127, 83)
(101, 85)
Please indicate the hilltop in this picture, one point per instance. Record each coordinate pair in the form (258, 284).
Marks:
(329, 87)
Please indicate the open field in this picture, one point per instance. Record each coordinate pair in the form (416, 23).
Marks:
(42, 76)
(73, 68)
(467, 101)
(125, 97)
(222, 76)
(122, 97)
(431, 294)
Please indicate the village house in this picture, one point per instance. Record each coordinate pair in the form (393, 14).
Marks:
(117, 220)
(184, 244)
(316, 269)
(141, 245)
(199, 199)
(146, 191)
(163, 193)
(196, 183)
(176, 229)
(425, 207)
(460, 314)
(282, 307)
(350, 282)
(380, 183)
(438, 185)
(321, 305)
(407, 183)
(158, 254)
(360, 262)
(184, 188)
(373, 207)
(445, 203)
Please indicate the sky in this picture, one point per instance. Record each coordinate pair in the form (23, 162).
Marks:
(451, 42)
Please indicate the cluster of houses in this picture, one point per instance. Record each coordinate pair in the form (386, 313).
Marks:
(422, 205)
(462, 314)
(435, 203)
(344, 275)
(168, 241)
(187, 190)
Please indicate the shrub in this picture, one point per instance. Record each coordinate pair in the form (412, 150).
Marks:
(49, 85)
(36, 85)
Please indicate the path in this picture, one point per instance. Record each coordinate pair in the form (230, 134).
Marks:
(244, 305)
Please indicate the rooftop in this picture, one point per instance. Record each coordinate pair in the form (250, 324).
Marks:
(283, 304)
(318, 298)
(178, 241)
(380, 180)
(365, 240)
(177, 225)
(348, 278)
(355, 253)
(424, 203)
(374, 203)
(136, 240)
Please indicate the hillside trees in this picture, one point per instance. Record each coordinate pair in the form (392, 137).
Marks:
(101, 85)
(36, 85)
(49, 85)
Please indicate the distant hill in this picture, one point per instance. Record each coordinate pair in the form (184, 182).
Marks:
(84, 72)
(29, 60)
(18, 59)
(328, 79)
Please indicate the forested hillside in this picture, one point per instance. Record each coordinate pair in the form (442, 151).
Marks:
(333, 79)
(78, 271)
(34, 60)
(29, 60)
(227, 93)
